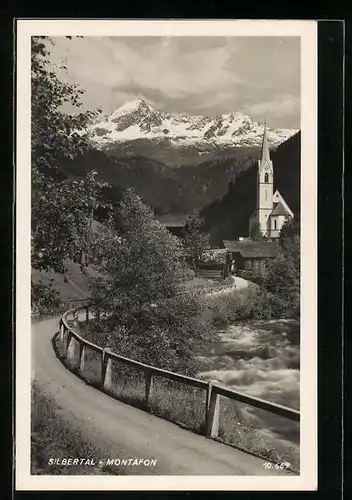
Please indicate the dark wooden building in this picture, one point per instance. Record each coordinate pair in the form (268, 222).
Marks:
(214, 264)
(175, 223)
(251, 255)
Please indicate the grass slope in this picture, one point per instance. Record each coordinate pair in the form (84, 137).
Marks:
(52, 437)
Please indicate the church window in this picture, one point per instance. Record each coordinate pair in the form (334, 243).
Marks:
(275, 224)
(266, 177)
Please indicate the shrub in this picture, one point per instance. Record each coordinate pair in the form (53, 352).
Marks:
(236, 305)
(45, 300)
(270, 306)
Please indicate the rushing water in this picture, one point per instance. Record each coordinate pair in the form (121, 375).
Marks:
(260, 359)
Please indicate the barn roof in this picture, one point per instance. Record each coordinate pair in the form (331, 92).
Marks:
(215, 255)
(253, 249)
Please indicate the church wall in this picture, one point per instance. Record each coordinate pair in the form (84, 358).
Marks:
(263, 218)
(281, 221)
(276, 224)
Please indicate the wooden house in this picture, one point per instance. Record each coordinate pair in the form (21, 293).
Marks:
(251, 255)
(175, 223)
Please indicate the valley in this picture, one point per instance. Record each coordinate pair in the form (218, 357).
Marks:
(196, 171)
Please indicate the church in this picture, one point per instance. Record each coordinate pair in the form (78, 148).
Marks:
(271, 210)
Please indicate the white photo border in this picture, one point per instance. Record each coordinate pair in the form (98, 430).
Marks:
(307, 31)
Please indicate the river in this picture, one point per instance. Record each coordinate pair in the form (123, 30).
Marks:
(262, 359)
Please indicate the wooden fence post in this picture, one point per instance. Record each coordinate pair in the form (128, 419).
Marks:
(82, 355)
(212, 420)
(70, 353)
(108, 375)
(65, 341)
(61, 330)
(75, 317)
(106, 370)
(148, 387)
(207, 402)
(87, 315)
(102, 367)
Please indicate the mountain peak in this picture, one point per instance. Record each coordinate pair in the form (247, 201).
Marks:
(131, 106)
(138, 120)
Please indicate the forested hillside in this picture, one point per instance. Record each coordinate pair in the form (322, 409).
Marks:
(166, 189)
(228, 217)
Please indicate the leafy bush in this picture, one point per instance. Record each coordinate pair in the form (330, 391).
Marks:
(248, 303)
(270, 306)
(45, 300)
(236, 305)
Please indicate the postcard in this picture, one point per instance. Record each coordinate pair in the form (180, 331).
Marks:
(166, 232)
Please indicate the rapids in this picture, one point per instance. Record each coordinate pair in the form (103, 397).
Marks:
(262, 359)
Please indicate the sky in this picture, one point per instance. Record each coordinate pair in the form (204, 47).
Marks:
(259, 76)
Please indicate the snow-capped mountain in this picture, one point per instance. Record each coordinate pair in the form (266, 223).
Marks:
(138, 120)
(179, 163)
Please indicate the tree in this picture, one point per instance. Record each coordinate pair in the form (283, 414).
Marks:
(147, 311)
(62, 221)
(282, 275)
(290, 240)
(196, 242)
(62, 209)
(55, 135)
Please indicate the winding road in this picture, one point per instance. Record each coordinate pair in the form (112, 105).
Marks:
(122, 431)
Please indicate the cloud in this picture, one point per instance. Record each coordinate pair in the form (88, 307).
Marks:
(283, 106)
(206, 75)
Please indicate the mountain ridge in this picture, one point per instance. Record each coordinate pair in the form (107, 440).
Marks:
(177, 179)
(178, 138)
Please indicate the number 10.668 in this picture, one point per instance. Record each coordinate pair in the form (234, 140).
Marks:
(280, 466)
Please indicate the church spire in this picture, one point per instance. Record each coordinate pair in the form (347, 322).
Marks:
(265, 147)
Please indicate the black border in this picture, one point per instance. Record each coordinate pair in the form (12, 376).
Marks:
(330, 166)
(6, 254)
(330, 231)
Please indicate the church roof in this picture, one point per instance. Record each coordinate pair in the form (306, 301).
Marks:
(265, 155)
(253, 249)
(280, 209)
(173, 220)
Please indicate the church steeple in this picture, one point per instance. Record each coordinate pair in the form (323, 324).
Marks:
(271, 209)
(265, 181)
(265, 156)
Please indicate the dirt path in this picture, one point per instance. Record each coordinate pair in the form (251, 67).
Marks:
(237, 284)
(123, 431)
